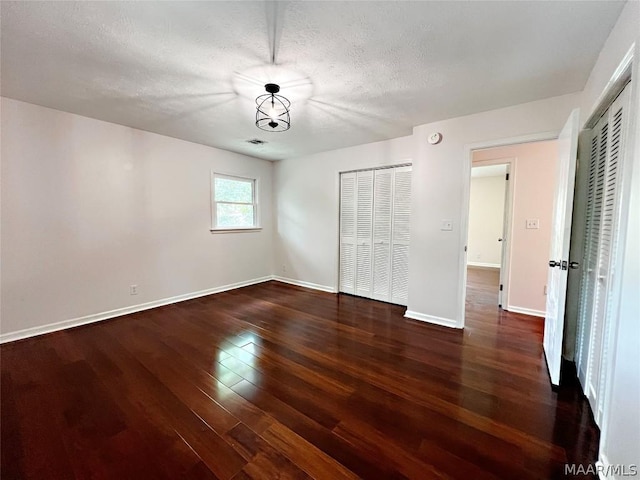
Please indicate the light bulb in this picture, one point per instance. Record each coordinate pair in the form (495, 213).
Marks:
(273, 113)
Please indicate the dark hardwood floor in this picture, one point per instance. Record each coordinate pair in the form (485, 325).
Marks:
(482, 288)
(275, 381)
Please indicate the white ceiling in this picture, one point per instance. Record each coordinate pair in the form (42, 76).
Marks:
(356, 72)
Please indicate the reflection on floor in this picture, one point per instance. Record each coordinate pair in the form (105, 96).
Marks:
(276, 381)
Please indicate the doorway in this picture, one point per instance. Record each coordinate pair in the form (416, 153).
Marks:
(488, 233)
(510, 226)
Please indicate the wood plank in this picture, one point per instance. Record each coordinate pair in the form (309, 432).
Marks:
(265, 462)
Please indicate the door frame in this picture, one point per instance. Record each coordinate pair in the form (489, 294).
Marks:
(507, 227)
(466, 189)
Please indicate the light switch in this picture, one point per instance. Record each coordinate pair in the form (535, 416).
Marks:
(446, 225)
(533, 223)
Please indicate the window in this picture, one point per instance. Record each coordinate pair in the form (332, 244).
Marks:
(234, 203)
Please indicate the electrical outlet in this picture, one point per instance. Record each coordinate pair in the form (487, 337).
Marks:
(533, 223)
(133, 289)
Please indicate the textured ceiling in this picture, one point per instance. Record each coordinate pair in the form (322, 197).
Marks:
(356, 72)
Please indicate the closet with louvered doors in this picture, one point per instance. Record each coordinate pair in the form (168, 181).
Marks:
(600, 233)
(374, 233)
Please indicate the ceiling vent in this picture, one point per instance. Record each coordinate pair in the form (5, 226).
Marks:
(256, 141)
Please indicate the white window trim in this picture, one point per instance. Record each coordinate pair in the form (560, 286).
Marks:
(256, 207)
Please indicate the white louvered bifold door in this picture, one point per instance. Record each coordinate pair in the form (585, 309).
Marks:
(597, 162)
(382, 210)
(609, 209)
(591, 260)
(599, 260)
(375, 206)
(348, 209)
(364, 231)
(400, 235)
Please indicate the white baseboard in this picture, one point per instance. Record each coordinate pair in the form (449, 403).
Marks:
(481, 264)
(97, 317)
(526, 311)
(300, 283)
(445, 322)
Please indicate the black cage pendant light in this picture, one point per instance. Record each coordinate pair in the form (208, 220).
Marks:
(272, 113)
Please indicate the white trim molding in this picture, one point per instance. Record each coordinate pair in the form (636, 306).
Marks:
(444, 322)
(484, 265)
(98, 317)
(613, 87)
(235, 230)
(300, 283)
(526, 311)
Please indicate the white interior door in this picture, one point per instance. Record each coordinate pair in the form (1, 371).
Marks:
(505, 239)
(375, 208)
(596, 280)
(593, 215)
(364, 227)
(400, 235)
(559, 251)
(382, 209)
(611, 140)
(348, 208)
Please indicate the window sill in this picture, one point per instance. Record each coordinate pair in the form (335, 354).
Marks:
(235, 230)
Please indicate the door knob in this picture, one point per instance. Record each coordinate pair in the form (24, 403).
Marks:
(499, 239)
(553, 263)
(574, 265)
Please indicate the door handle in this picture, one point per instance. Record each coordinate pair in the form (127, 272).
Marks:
(499, 239)
(574, 265)
(553, 263)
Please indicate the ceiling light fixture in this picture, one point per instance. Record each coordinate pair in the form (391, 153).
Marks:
(272, 113)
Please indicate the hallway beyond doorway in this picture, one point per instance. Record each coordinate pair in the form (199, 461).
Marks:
(482, 286)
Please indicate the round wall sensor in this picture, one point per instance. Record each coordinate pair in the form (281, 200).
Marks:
(435, 138)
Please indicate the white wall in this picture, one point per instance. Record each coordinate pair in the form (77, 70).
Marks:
(89, 208)
(533, 177)
(307, 201)
(307, 207)
(436, 283)
(620, 436)
(486, 216)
